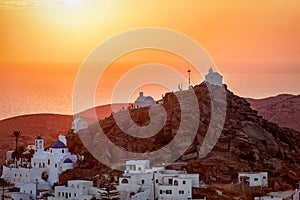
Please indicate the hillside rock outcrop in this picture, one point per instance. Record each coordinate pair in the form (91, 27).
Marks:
(247, 142)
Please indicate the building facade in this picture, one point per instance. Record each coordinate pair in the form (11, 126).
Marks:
(139, 181)
(79, 124)
(214, 78)
(254, 179)
(44, 165)
(143, 101)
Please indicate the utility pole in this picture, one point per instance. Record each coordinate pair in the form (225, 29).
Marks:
(189, 71)
(154, 186)
(36, 188)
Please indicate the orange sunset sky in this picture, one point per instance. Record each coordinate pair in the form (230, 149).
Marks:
(255, 45)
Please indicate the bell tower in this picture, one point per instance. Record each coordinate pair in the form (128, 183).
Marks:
(39, 144)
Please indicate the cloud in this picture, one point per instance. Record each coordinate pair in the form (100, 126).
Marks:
(21, 4)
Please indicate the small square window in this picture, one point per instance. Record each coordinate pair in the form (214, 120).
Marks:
(168, 191)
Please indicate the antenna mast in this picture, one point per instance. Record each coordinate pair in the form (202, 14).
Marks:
(189, 71)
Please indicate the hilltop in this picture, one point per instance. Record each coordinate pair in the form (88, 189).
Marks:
(248, 142)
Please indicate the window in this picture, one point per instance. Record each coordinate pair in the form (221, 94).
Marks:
(160, 191)
(264, 178)
(15, 175)
(131, 167)
(156, 180)
(176, 182)
(168, 191)
(63, 194)
(70, 194)
(124, 181)
(63, 151)
(181, 191)
(59, 194)
(55, 165)
(74, 194)
(20, 175)
(140, 169)
(183, 182)
(170, 181)
(143, 181)
(48, 161)
(255, 179)
(30, 191)
(34, 164)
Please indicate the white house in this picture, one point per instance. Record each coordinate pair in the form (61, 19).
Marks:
(214, 78)
(296, 195)
(19, 196)
(143, 101)
(254, 179)
(45, 165)
(77, 189)
(34, 188)
(280, 195)
(79, 124)
(145, 182)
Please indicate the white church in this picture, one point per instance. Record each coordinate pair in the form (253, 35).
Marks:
(143, 101)
(214, 78)
(79, 124)
(45, 166)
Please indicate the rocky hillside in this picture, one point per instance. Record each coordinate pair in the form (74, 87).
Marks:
(283, 109)
(247, 143)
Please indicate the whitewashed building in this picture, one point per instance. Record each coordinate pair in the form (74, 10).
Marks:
(79, 124)
(140, 182)
(214, 78)
(143, 101)
(77, 189)
(19, 196)
(45, 165)
(253, 179)
(296, 195)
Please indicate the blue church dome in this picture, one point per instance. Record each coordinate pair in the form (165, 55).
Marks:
(58, 145)
(68, 160)
(38, 138)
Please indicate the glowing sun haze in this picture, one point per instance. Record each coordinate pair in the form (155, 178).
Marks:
(255, 45)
